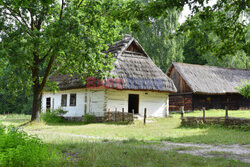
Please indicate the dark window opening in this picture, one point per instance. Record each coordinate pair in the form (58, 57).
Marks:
(133, 103)
(72, 100)
(48, 103)
(64, 100)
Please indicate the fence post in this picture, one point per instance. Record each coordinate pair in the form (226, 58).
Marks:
(115, 113)
(109, 114)
(182, 111)
(204, 114)
(122, 114)
(133, 112)
(145, 116)
(226, 111)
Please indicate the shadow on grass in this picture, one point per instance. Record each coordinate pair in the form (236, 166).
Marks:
(218, 126)
(72, 123)
(117, 123)
(65, 123)
(212, 135)
(14, 120)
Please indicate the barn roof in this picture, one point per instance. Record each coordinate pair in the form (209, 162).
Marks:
(211, 79)
(132, 65)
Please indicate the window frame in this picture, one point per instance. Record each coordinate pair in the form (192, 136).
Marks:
(48, 108)
(71, 104)
(64, 104)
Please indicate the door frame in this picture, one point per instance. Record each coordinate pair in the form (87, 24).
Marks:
(137, 103)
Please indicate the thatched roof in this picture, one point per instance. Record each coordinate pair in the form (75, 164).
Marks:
(132, 65)
(211, 79)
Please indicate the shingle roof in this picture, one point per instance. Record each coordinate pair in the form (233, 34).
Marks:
(211, 79)
(137, 70)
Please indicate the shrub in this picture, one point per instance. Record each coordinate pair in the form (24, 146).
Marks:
(88, 118)
(17, 148)
(244, 90)
(54, 116)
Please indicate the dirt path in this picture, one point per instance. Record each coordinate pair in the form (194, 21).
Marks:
(234, 151)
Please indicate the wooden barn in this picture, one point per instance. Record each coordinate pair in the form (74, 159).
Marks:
(139, 84)
(206, 86)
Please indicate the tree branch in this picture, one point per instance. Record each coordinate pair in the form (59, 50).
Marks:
(45, 77)
(78, 6)
(61, 12)
(15, 16)
(44, 57)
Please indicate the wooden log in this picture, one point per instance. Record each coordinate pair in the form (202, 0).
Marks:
(133, 113)
(145, 116)
(226, 111)
(109, 114)
(182, 111)
(204, 113)
(122, 114)
(115, 113)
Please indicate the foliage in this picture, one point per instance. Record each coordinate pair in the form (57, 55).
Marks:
(10, 103)
(17, 148)
(211, 45)
(59, 111)
(54, 116)
(159, 39)
(244, 90)
(88, 118)
(41, 37)
(190, 53)
(224, 20)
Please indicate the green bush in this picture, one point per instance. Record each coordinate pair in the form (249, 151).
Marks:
(54, 116)
(244, 90)
(17, 148)
(88, 118)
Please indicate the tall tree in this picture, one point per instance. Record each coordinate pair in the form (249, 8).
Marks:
(212, 46)
(38, 37)
(224, 19)
(191, 54)
(159, 39)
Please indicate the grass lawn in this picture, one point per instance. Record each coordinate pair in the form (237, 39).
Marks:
(127, 154)
(123, 145)
(220, 113)
(14, 119)
(157, 129)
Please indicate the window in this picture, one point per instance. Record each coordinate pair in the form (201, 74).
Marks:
(48, 103)
(72, 100)
(64, 100)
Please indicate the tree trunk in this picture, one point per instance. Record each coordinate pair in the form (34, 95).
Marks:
(36, 106)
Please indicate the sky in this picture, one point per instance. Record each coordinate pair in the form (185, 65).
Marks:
(186, 11)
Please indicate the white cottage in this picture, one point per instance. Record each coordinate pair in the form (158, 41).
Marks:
(139, 84)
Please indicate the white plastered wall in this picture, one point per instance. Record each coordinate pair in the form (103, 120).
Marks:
(156, 103)
(94, 103)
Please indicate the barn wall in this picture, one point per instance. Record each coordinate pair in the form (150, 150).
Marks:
(155, 102)
(179, 82)
(94, 101)
(232, 101)
(178, 100)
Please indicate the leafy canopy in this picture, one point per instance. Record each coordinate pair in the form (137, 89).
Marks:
(33, 33)
(39, 37)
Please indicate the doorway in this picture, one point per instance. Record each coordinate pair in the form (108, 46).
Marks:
(133, 103)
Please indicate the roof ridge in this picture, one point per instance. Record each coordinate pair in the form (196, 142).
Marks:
(228, 68)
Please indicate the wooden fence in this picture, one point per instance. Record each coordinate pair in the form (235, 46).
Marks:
(226, 120)
(118, 116)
